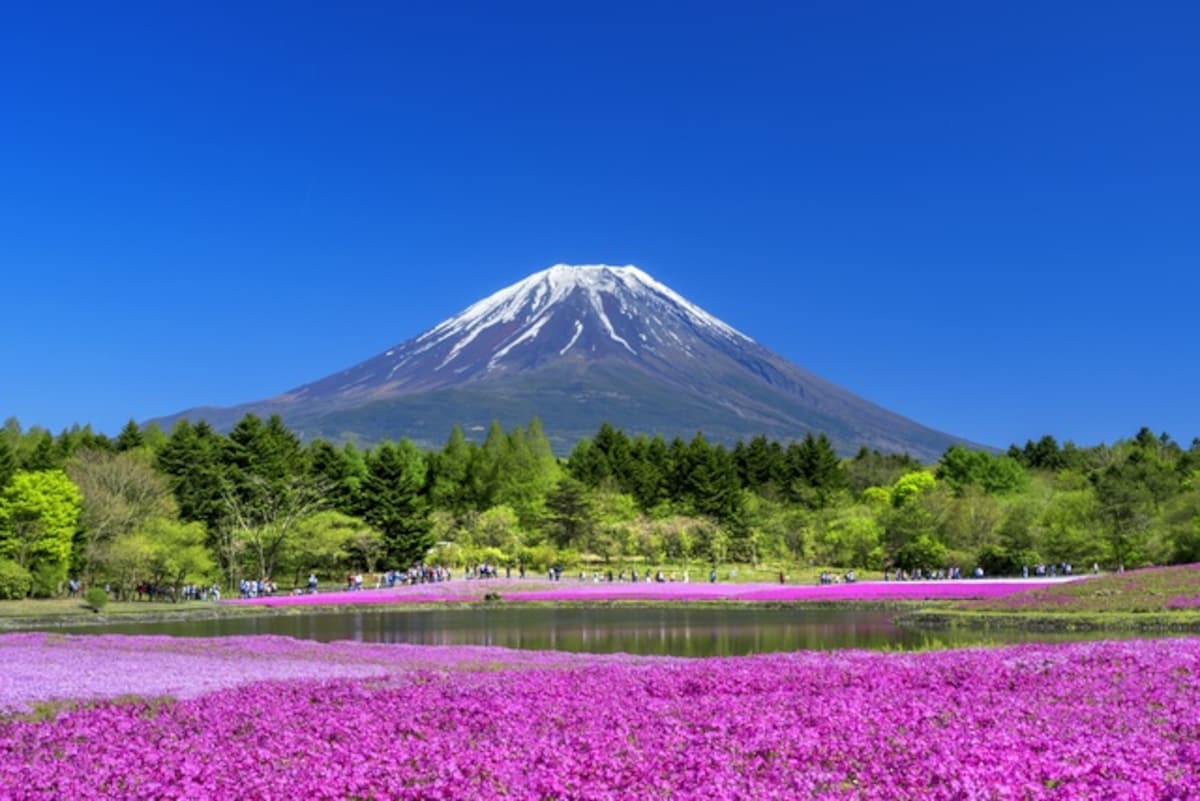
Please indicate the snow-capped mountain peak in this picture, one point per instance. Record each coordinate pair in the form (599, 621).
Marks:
(580, 345)
(607, 301)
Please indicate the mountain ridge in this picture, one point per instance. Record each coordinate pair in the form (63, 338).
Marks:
(578, 346)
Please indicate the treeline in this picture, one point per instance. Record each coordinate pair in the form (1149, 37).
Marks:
(197, 506)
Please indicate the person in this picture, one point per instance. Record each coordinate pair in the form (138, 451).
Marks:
(312, 583)
(712, 576)
(782, 578)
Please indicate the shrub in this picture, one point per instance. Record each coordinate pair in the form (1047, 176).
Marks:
(48, 579)
(95, 599)
(15, 581)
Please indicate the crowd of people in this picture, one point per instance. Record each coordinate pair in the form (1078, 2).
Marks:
(953, 572)
(257, 588)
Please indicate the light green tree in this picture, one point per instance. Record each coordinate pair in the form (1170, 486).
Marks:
(176, 554)
(39, 512)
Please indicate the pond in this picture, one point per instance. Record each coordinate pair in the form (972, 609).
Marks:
(674, 630)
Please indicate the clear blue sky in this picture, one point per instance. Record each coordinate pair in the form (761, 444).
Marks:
(983, 216)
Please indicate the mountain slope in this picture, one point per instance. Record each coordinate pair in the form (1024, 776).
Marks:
(577, 346)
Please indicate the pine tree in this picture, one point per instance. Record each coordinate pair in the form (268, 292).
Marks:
(615, 447)
(44, 456)
(333, 473)
(8, 463)
(448, 474)
(130, 437)
(393, 501)
(570, 509)
(588, 464)
(192, 458)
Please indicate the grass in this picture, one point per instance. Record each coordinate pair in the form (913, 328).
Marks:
(1151, 590)
(33, 612)
(1151, 599)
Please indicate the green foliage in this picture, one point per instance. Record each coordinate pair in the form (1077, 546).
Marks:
(192, 460)
(130, 437)
(181, 507)
(852, 538)
(95, 599)
(8, 462)
(121, 492)
(15, 581)
(393, 501)
(998, 560)
(39, 511)
(43, 455)
(570, 510)
(176, 554)
(996, 475)
(910, 486)
(330, 542)
(924, 553)
(814, 474)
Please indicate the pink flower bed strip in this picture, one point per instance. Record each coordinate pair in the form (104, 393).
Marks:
(1079, 721)
(462, 591)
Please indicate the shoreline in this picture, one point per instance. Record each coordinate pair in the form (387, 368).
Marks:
(1173, 621)
(211, 611)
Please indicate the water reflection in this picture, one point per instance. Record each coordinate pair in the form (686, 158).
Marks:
(679, 631)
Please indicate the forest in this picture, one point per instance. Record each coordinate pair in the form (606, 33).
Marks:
(194, 505)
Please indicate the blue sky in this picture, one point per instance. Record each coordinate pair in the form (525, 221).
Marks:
(983, 216)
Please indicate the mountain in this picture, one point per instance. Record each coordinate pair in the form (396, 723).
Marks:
(577, 346)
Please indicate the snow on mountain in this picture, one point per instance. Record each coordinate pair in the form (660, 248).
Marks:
(592, 310)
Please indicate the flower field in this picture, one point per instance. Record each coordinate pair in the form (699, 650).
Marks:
(279, 718)
(575, 591)
(1152, 589)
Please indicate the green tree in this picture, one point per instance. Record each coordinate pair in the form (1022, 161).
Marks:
(394, 502)
(337, 473)
(130, 437)
(814, 472)
(39, 512)
(176, 554)
(192, 460)
(911, 486)
(962, 468)
(853, 537)
(8, 462)
(571, 513)
(449, 471)
(497, 528)
(43, 455)
(1069, 525)
(121, 492)
(874, 469)
(924, 553)
(329, 541)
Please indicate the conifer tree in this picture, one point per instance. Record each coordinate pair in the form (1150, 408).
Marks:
(393, 501)
(8, 462)
(191, 458)
(448, 474)
(130, 437)
(43, 456)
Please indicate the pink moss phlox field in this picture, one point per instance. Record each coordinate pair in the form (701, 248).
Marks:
(463, 591)
(1117, 720)
(45, 667)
